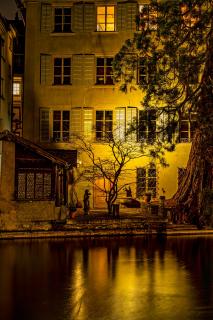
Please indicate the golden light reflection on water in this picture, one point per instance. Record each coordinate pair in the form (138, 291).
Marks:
(111, 279)
(145, 287)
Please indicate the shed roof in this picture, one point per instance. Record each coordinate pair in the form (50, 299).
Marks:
(9, 136)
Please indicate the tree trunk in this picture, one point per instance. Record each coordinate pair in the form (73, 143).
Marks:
(197, 181)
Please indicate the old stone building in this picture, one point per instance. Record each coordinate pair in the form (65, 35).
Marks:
(69, 87)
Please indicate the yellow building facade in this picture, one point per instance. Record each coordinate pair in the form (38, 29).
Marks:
(69, 89)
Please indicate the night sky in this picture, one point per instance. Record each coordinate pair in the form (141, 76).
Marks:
(8, 8)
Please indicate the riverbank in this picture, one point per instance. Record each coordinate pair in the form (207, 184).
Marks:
(103, 225)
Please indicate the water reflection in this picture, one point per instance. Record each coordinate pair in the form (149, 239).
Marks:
(119, 278)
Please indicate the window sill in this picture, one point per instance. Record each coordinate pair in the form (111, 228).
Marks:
(61, 85)
(58, 34)
(106, 32)
(103, 86)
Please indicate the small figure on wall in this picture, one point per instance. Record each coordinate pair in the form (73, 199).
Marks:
(86, 201)
(128, 192)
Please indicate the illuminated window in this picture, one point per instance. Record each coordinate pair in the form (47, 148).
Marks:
(61, 126)
(146, 181)
(104, 124)
(62, 71)
(62, 20)
(16, 88)
(147, 17)
(104, 71)
(105, 18)
(187, 126)
(146, 72)
(147, 126)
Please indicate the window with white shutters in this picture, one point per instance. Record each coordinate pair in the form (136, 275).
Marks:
(45, 69)
(44, 125)
(46, 18)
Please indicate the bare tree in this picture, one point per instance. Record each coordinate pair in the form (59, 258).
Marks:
(112, 166)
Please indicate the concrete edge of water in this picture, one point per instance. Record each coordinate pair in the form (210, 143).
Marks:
(94, 233)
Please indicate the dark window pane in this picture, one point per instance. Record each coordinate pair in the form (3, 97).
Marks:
(66, 126)
(66, 115)
(67, 61)
(108, 115)
(99, 115)
(58, 19)
(56, 115)
(58, 11)
(57, 71)
(67, 19)
(99, 126)
(67, 28)
(67, 11)
(57, 80)
(109, 80)
(58, 62)
(99, 135)
(100, 61)
(100, 71)
(58, 28)
(56, 125)
(109, 61)
(66, 80)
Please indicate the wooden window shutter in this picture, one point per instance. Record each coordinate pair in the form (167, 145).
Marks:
(120, 126)
(89, 69)
(89, 17)
(46, 18)
(131, 119)
(77, 17)
(76, 121)
(77, 69)
(45, 69)
(44, 125)
(88, 123)
(132, 11)
(121, 16)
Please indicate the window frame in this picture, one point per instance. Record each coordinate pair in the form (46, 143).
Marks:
(190, 123)
(61, 130)
(105, 23)
(63, 22)
(105, 74)
(147, 124)
(149, 72)
(103, 132)
(62, 75)
(146, 181)
(148, 20)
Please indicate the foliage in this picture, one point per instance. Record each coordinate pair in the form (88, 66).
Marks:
(177, 56)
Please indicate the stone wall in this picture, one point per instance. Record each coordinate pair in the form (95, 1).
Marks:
(7, 177)
(17, 215)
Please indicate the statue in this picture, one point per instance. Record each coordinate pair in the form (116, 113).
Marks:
(86, 201)
(128, 192)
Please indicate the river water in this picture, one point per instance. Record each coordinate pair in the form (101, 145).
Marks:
(107, 279)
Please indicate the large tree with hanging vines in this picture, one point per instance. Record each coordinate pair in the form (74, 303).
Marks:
(175, 45)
